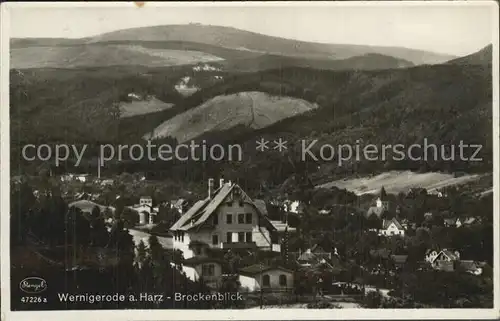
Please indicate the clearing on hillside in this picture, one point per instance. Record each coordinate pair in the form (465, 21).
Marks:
(134, 108)
(253, 109)
(103, 55)
(395, 182)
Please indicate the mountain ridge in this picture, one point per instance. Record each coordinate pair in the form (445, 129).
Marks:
(237, 39)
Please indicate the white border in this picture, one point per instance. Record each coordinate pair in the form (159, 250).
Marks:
(271, 314)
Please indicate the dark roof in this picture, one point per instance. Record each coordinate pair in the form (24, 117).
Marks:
(195, 260)
(383, 253)
(198, 243)
(468, 265)
(446, 266)
(240, 245)
(260, 268)
(400, 259)
(318, 249)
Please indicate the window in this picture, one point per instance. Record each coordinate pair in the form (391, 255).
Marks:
(216, 219)
(208, 270)
(215, 239)
(241, 237)
(229, 237)
(248, 217)
(241, 218)
(282, 280)
(249, 237)
(229, 219)
(266, 280)
(211, 270)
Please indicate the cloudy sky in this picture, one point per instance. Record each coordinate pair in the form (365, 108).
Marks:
(446, 28)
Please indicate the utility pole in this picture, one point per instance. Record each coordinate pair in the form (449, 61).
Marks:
(261, 285)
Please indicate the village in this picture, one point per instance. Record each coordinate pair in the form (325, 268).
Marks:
(289, 251)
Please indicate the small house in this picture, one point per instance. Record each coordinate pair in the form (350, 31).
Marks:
(270, 279)
(391, 227)
(206, 269)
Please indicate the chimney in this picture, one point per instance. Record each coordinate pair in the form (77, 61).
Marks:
(221, 182)
(210, 187)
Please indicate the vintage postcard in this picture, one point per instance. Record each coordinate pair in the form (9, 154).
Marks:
(258, 161)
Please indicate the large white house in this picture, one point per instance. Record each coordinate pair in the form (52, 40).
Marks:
(227, 218)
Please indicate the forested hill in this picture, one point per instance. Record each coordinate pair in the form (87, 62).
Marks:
(443, 103)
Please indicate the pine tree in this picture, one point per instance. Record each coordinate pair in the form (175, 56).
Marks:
(383, 194)
(142, 254)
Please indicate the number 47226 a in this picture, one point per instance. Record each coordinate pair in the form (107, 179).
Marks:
(33, 299)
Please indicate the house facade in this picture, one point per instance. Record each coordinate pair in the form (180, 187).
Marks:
(226, 219)
(270, 279)
(445, 260)
(203, 268)
(450, 261)
(391, 228)
(147, 213)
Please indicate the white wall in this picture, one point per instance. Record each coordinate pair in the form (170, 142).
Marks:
(191, 272)
(195, 273)
(248, 283)
(259, 236)
(254, 283)
(392, 230)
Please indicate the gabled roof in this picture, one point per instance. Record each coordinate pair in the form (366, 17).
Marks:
(282, 226)
(202, 210)
(378, 211)
(447, 253)
(451, 220)
(195, 260)
(261, 206)
(387, 223)
(318, 249)
(260, 268)
(179, 225)
(469, 220)
(179, 202)
(307, 256)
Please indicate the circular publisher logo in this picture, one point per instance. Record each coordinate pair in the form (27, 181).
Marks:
(33, 285)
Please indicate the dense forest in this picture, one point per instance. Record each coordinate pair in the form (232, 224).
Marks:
(444, 104)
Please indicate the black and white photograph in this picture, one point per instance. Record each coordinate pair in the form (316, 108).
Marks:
(272, 161)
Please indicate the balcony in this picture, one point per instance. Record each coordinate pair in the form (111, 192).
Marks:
(239, 245)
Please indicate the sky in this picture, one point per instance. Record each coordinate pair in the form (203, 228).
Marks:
(444, 28)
